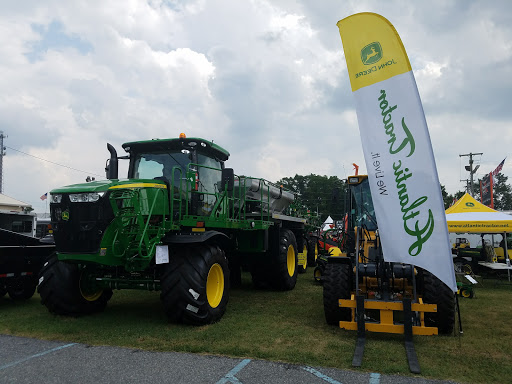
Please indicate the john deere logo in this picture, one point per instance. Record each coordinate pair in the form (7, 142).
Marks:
(470, 204)
(371, 53)
(65, 215)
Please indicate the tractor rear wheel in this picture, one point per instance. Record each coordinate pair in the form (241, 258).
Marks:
(337, 282)
(312, 251)
(285, 266)
(467, 293)
(22, 288)
(317, 275)
(62, 290)
(436, 292)
(195, 285)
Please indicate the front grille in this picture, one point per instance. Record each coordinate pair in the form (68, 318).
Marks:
(79, 227)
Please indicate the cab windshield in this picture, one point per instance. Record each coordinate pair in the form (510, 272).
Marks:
(172, 168)
(161, 165)
(362, 206)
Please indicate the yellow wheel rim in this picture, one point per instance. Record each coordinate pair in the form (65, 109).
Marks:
(465, 293)
(87, 294)
(290, 260)
(316, 251)
(91, 296)
(318, 274)
(215, 285)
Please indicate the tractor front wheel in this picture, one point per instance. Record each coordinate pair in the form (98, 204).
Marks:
(337, 282)
(63, 291)
(195, 285)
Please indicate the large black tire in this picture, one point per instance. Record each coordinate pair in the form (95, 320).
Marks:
(60, 290)
(434, 291)
(467, 293)
(21, 288)
(3, 289)
(285, 267)
(195, 285)
(312, 251)
(317, 275)
(337, 282)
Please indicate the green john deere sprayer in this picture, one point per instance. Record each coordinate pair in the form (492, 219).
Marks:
(180, 223)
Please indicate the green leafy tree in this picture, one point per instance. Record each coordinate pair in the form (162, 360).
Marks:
(445, 195)
(449, 199)
(459, 194)
(322, 194)
(502, 193)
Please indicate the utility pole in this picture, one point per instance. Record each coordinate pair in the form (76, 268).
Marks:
(467, 184)
(2, 154)
(471, 171)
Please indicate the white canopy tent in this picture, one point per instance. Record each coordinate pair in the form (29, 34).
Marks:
(327, 223)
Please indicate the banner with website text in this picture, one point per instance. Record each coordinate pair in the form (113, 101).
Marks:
(398, 152)
(486, 190)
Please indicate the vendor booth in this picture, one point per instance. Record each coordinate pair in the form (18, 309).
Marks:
(468, 215)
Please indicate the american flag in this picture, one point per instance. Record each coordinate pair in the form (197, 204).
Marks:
(498, 168)
(43, 197)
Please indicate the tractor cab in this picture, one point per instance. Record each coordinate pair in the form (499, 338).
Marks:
(362, 223)
(361, 212)
(190, 168)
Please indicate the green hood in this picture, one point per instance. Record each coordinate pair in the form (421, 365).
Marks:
(101, 185)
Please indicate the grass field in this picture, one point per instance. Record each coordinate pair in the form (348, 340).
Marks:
(287, 327)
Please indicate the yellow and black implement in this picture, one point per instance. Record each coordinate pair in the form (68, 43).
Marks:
(363, 292)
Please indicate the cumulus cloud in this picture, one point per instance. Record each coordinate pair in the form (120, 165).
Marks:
(265, 80)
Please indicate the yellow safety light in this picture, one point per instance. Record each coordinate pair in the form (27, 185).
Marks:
(183, 136)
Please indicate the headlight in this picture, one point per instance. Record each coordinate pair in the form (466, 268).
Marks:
(85, 197)
(95, 196)
(55, 199)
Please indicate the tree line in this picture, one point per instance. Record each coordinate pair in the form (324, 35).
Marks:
(326, 195)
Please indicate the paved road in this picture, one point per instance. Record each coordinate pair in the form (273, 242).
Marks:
(24, 360)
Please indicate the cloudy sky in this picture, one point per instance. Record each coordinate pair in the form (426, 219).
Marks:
(266, 80)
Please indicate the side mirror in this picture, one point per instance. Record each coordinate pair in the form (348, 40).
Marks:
(107, 167)
(228, 179)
